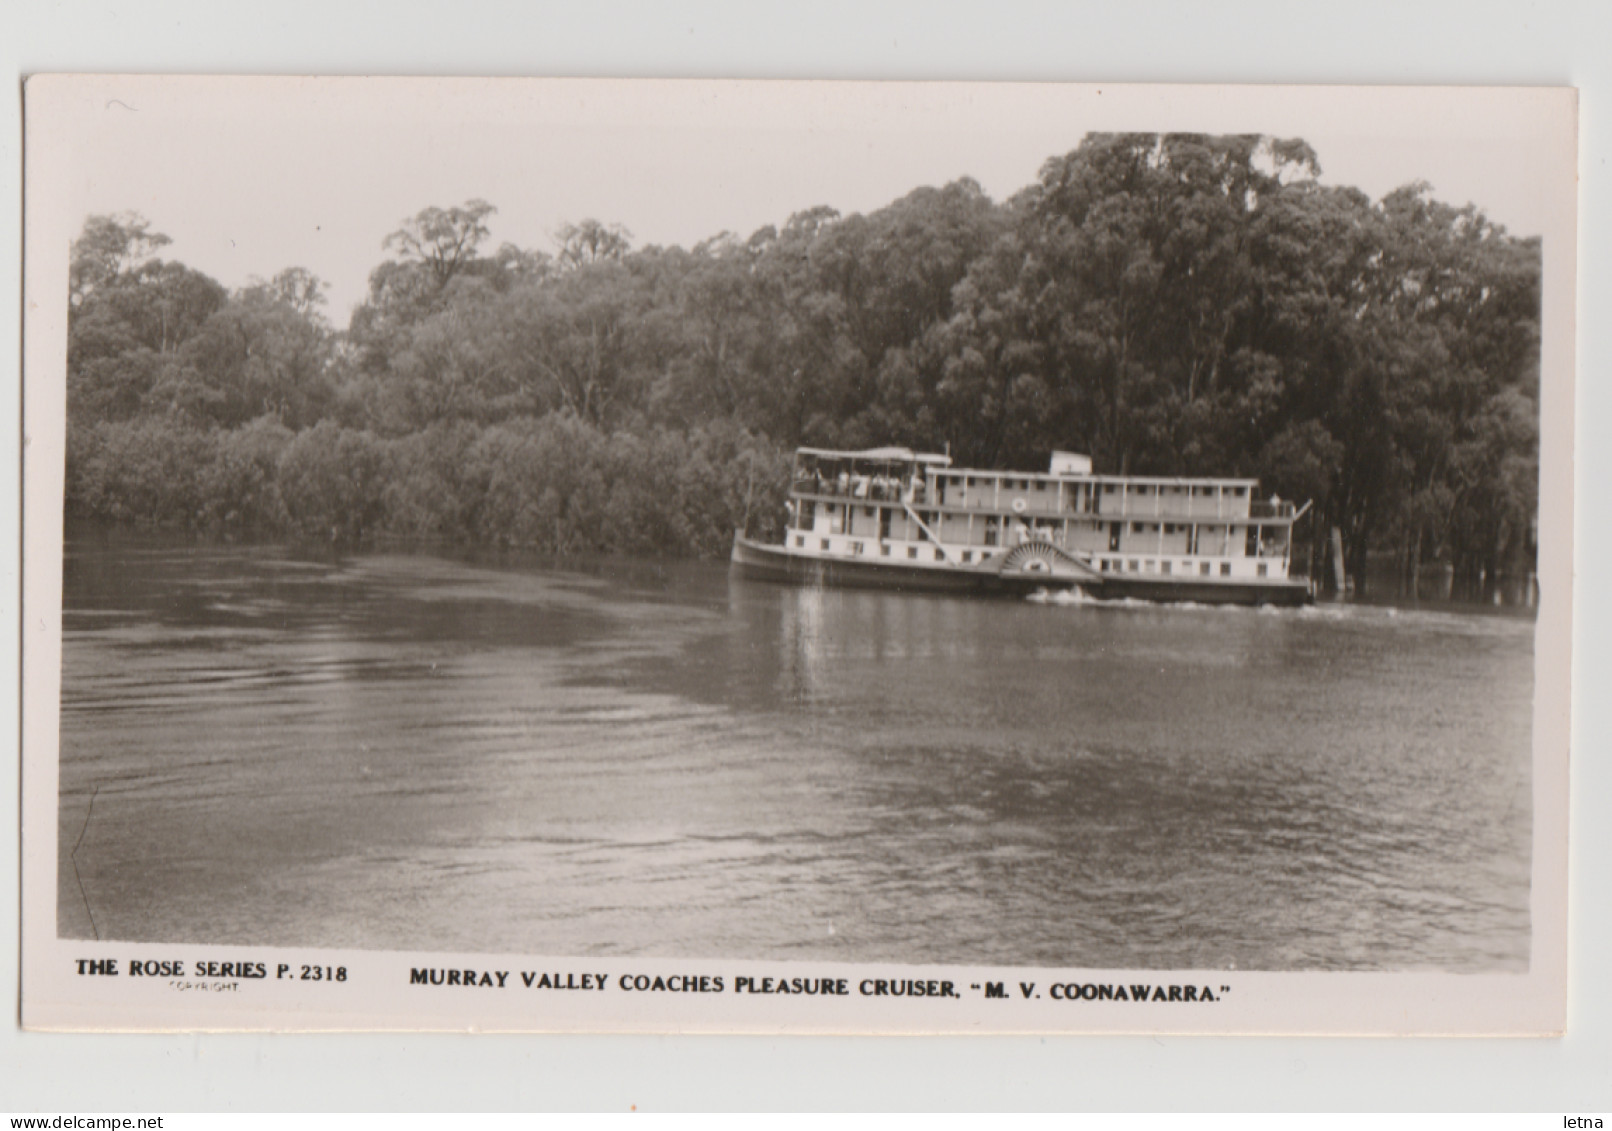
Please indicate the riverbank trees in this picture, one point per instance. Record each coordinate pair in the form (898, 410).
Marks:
(1177, 304)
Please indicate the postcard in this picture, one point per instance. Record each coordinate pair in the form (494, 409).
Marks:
(796, 557)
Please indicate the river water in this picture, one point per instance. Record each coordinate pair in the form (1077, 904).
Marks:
(261, 745)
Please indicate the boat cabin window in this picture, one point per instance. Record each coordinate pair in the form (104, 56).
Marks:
(1239, 491)
(1225, 569)
(912, 551)
(823, 543)
(1203, 570)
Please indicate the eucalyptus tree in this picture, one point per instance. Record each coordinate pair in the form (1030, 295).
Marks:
(442, 239)
(591, 241)
(109, 246)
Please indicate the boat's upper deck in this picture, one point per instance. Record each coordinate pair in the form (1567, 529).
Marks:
(897, 475)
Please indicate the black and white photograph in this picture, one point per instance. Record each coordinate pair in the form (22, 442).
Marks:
(796, 555)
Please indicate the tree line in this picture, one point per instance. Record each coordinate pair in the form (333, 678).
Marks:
(1171, 304)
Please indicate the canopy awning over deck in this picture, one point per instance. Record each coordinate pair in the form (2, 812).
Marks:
(880, 455)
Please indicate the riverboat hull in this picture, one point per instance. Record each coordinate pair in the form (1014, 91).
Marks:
(1284, 593)
(762, 562)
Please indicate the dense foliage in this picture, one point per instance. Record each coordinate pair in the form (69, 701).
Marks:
(1170, 304)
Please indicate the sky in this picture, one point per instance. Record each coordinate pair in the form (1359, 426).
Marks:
(249, 176)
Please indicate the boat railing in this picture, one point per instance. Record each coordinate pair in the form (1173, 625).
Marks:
(859, 487)
(878, 488)
(1273, 509)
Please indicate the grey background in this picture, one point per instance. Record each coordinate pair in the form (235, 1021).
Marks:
(1552, 42)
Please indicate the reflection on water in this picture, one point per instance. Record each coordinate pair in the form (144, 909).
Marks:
(407, 752)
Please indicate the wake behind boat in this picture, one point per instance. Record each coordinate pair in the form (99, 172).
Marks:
(894, 518)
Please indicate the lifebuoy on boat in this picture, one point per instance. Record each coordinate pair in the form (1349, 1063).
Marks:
(1020, 506)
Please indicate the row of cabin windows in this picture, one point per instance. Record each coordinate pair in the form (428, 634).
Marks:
(1106, 565)
(990, 540)
(884, 550)
(806, 519)
(992, 529)
(1175, 528)
(912, 552)
(1136, 527)
(1139, 489)
(1007, 484)
(1169, 528)
(1108, 488)
(1200, 492)
(1148, 565)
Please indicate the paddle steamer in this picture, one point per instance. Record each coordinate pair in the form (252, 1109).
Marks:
(890, 517)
